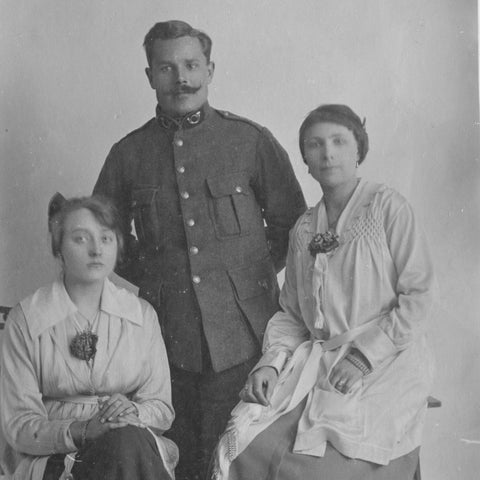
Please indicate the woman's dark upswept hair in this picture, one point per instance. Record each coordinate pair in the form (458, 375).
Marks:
(342, 115)
(59, 208)
(175, 29)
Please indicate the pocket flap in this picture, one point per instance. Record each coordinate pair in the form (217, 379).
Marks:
(223, 185)
(253, 280)
(143, 195)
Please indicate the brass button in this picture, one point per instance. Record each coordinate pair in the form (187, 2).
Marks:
(181, 169)
(185, 195)
(193, 250)
(178, 142)
(190, 222)
(238, 189)
(196, 279)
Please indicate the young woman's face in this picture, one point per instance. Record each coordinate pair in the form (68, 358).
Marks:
(89, 249)
(331, 153)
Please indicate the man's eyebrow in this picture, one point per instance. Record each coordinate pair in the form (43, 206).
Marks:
(169, 62)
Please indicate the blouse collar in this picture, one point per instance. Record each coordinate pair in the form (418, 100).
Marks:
(321, 224)
(51, 305)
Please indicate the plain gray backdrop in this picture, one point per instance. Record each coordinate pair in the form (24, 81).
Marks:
(72, 83)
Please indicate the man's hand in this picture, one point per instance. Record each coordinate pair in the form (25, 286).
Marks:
(259, 386)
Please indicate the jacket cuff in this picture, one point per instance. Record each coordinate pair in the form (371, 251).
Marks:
(376, 345)
(275, 360)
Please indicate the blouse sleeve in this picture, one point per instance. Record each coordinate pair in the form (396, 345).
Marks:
(286, 330)
(154, 398)
(415, 286)
(23, 417)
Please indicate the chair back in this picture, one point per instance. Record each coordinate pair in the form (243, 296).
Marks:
(3, 315)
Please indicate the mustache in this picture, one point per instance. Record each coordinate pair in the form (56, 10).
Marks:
(184, 89)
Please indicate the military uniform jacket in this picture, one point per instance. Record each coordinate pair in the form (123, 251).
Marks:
(212, 198)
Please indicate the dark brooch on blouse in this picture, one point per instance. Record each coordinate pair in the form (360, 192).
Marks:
(84, 345)
(323, 243)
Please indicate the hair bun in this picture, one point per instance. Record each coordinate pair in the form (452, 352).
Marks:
(54, 206)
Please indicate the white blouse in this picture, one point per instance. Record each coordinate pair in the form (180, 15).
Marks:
(374, 292)
(44, 388)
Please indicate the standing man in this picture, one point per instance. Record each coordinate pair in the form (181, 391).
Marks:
(212, 197)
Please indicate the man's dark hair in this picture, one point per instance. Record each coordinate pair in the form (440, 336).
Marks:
(175, 29)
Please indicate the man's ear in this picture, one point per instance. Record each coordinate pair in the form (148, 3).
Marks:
(211, 70)
(148, 72)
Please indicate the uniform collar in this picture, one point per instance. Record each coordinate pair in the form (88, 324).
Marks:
(190, 120)
(51, 305)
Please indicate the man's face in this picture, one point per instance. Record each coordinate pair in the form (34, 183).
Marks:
(180, 75)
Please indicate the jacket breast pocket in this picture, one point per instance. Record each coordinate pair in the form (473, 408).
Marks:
(233, 208)
(145, 214)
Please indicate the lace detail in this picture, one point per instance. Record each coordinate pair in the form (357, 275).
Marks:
(231, 445)
(367, 218)
(225, 453)
(368, 226)
(303, 232)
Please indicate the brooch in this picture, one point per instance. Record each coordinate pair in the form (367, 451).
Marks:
(323, 243)
(84, 345)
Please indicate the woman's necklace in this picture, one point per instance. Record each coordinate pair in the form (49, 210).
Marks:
(84, 344)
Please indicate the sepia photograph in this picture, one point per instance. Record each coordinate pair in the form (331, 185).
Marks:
(239, 240)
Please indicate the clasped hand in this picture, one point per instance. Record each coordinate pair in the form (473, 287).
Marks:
(116, 411)
(116, 408)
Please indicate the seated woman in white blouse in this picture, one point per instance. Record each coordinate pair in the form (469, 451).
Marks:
(340, 392)
(84, 377)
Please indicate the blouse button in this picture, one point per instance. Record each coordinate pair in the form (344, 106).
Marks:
(238, 189)
(178, 142)
(190, 222)
(193, 250)
(181, 169)
(185, 195)
(196, 279)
